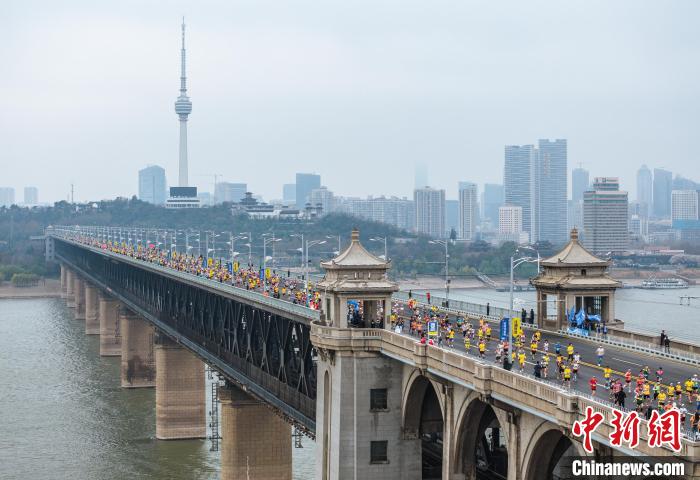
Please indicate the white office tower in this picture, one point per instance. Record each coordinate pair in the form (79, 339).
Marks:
(183, 196)
(605, 217)
(468, 209)
(430, 211)
(510, 224)
(684, 205)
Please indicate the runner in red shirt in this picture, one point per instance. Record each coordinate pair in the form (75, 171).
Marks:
(628, 380)
(593, 384)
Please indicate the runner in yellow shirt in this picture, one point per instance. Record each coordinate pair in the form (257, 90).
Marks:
(521, 360)
(607, 373)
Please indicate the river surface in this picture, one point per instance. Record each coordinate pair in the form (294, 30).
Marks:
(63, 414)
(641, 310)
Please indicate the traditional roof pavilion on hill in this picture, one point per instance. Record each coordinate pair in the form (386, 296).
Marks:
(576, 278)
(359, 277)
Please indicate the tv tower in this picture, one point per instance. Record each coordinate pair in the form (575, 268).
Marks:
(183, 107)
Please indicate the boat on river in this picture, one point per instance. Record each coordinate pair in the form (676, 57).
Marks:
(653, 283)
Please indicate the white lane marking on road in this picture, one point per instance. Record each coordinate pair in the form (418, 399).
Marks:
(625, 361)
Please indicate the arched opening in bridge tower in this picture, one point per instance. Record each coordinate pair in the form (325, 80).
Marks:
(431, 426)
(423, 422)
(326, 444)
(551, 457)
(482, 447)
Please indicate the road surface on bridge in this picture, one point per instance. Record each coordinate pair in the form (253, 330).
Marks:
(619, 360)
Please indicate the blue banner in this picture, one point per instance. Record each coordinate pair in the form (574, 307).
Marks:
(505, 328)
(579, 331)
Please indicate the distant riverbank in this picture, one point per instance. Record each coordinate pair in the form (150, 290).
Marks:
(49, 288)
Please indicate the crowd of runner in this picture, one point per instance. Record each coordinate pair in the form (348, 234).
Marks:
(268, 282)
(554, 362)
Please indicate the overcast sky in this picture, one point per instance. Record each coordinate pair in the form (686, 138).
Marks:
(358, 91)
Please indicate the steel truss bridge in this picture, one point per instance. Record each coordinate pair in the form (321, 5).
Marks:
(261, 344)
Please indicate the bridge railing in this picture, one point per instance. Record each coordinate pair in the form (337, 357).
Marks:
(550, 399)
(242, 293)
(679, 350)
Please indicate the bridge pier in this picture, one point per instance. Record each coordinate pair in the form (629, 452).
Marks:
(110, 332)
(255, 441)
(180, 392)
(64, 280)
(70, 284)
(138, 357)
(79, 294)
(92, 311)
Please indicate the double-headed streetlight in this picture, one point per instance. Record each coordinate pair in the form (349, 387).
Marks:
(266, 242)
(309, 244)
(333, 237)
(445, 243)
(514, 263)
(381, 239)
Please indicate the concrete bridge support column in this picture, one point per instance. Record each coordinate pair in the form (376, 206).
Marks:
(92, 311)
(138, 356)
(110, 331)
(180, 392)
(254, 441)
(64, 280)
(70, 284)
(79, 294)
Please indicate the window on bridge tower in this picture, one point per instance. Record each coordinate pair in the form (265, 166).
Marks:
(378, 399)
(378, 451)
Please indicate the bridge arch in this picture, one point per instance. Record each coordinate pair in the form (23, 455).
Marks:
(549, 453)
(481, 440)
(424, 422)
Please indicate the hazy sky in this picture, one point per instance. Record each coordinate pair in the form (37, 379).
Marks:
(358, 91)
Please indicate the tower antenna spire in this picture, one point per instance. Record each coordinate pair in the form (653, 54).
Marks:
(183, 107)
(183, 74)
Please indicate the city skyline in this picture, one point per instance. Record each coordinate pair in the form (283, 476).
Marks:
(361, 108)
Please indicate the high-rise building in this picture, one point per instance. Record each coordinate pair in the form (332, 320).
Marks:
(663, 186)
(518, 177)
(468, 210)
(644, 187)
(289, 193)
(550, 185)
(430, 211)
(31, 195)
(7, 196)
(682, 183)
(579, 183)
(152, 184)
(324, 198)
(451, 216)
(510, 224)
(536, 180)
(684, 205)
(493, 198)
(183, 196)
(305, 183)
(605, 217)
(230, 192)
(399, 212)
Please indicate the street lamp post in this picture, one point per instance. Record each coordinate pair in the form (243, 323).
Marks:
(381, 239)
(514, 263)
(300, 235)
(266, 242)
(445, 243)
(334, 236)
(309, 244)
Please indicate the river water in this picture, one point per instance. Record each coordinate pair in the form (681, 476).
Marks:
(63, 414)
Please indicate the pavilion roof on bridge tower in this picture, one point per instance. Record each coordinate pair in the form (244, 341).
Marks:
(356, 269)
(575, 267)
